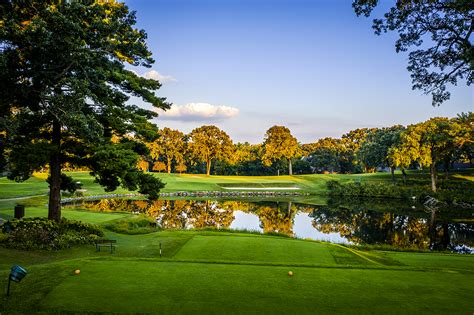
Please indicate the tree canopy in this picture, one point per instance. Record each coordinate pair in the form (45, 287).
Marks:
(374, 151)
(438, 33)
(170, 145)
(64, 92)
(209, 143)
(278, 144)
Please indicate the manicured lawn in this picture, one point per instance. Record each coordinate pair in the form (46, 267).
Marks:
(217, 272)
(255, 249)
(169, 287)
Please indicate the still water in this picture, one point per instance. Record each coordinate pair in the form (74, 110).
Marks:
(373, 222)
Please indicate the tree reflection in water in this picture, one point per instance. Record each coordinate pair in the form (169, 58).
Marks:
(375, 222)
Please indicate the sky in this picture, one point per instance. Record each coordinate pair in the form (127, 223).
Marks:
(312, 66)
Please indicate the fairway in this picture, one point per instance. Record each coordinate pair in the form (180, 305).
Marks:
(155, 287)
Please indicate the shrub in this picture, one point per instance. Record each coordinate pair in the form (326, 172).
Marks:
(449, 192)
(41, 233)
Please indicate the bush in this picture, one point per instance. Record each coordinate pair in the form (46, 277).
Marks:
(449, 191)
(41, 233)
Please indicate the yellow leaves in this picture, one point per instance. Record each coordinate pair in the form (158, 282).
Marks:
(110, 3)
(142, 165)
(122, 57)
(115, 139)
(25, 24)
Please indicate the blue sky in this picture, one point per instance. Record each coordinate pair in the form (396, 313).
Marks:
(313, 66)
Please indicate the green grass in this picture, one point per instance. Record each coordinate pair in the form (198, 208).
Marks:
(219, 272)
(222, 272)
(255, 249)
(154, 287)
(313, 183)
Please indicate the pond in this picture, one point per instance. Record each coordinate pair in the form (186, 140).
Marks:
(355, 221)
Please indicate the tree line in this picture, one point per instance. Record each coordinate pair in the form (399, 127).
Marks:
(434, 144)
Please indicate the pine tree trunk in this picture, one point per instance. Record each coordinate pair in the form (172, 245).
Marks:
(54, 208)
(433, 177)
(290, 167)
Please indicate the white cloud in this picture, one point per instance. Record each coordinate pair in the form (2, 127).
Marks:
(199, 112)
(153, 74)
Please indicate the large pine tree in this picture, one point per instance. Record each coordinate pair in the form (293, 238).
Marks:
(65, 90)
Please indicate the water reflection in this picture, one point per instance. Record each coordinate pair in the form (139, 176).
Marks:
(375, 222)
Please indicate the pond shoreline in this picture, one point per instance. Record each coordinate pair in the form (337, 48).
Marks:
(239, 194)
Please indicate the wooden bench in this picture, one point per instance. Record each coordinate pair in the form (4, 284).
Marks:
(105, 243)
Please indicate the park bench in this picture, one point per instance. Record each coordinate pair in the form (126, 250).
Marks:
(105, 243)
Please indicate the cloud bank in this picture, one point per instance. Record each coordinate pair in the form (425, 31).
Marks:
(153, 74)
(199, 112)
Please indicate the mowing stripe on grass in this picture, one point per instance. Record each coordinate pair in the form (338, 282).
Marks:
(358, 254)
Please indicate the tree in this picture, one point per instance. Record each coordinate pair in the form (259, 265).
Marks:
(181, 167)
(170, 145)
(447, 26)
(325, 155)
(143, 164)
(352, 141)
(428, 143)
(374, 151)
(279, 143)
(209, 143)
(159, 166)
(465, 138)
(64, 90)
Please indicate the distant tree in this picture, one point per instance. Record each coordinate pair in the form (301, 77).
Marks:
(325, 156)
(301, 166)
(428, 143)
(142, 164)
(170, 145)
(64, 89)
(465, 138)
(181, 167)
(440, 31)
(209, 143)
(351, 142)
(374, 151)
(159, 166)
(279, 143)
(400, 156)
(308, 148)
